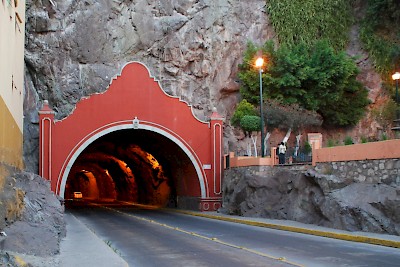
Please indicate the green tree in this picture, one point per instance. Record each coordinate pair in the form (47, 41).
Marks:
(250, 124)
(315, 77)
(246, 117)
(244, 108)
(277, 115)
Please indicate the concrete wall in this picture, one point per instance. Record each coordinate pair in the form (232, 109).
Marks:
(389, 149)
(12, 31)
(236, 161)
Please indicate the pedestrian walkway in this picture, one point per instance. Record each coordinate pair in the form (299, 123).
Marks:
(292, 226)
(81, 247)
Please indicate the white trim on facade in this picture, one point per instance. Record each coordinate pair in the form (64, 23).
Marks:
(122, 125)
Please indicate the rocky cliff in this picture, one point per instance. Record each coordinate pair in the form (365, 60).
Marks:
(193, 47)
(353, 196)
(31, 219)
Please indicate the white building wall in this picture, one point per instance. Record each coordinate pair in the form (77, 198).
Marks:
(12, 36)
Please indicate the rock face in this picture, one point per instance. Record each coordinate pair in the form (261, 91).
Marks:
(31, 217)
(40, 225)
(193, 47)
(306, 195)
(11, 197)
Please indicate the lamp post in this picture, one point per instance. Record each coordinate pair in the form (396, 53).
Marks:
(259, 64)
(396, 77)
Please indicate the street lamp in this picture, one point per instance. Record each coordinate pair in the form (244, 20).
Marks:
(396, 77)
(259, 65)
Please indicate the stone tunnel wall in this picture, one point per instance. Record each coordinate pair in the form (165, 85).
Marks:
(353, 195)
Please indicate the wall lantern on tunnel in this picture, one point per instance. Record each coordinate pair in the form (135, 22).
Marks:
(135, 123)
(259, 65)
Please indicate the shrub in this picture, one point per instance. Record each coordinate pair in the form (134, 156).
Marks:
(307, 148)
(244, 108)
(332, 143)
(348, 141)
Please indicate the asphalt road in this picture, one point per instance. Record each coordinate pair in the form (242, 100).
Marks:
(159, 238)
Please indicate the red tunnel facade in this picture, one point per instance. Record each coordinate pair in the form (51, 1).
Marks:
(134, 100)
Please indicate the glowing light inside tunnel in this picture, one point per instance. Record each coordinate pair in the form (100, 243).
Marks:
(115, 168)
(150, 158)
(126, 125)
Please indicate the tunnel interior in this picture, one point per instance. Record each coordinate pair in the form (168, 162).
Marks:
(133, 165)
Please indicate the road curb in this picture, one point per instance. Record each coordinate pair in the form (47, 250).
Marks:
(341, 236)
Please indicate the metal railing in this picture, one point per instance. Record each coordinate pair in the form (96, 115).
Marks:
(301, 157)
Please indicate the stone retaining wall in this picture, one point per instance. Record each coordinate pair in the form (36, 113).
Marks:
(385, 171)
(350, 195)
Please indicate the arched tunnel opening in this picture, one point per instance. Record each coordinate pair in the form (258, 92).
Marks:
(136, 166)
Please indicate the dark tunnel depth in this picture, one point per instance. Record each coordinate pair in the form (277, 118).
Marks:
(136, 166)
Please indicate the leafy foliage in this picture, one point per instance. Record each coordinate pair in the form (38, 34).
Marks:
(383, 15)
(381, 36)
(248, 74)
(292, 116)
(311, 20)
(332, 143)
(348, 141)
(244, 108)
(316, 78)
(250, 124)
(364, 140)
(307, 148)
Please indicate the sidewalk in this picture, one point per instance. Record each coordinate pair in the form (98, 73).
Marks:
(81, 247)
(292, 226)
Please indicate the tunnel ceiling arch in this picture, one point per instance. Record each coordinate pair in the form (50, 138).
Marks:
(134, 104)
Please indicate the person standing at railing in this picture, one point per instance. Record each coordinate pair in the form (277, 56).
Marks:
(281, 153)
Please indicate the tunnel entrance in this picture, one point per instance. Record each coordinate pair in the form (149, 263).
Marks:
(134, 142)
(138, 166)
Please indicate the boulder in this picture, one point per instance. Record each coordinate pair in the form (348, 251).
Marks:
(311, 197)
(40, 227)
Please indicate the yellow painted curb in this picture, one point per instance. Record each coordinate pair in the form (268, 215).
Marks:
(341, 236)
